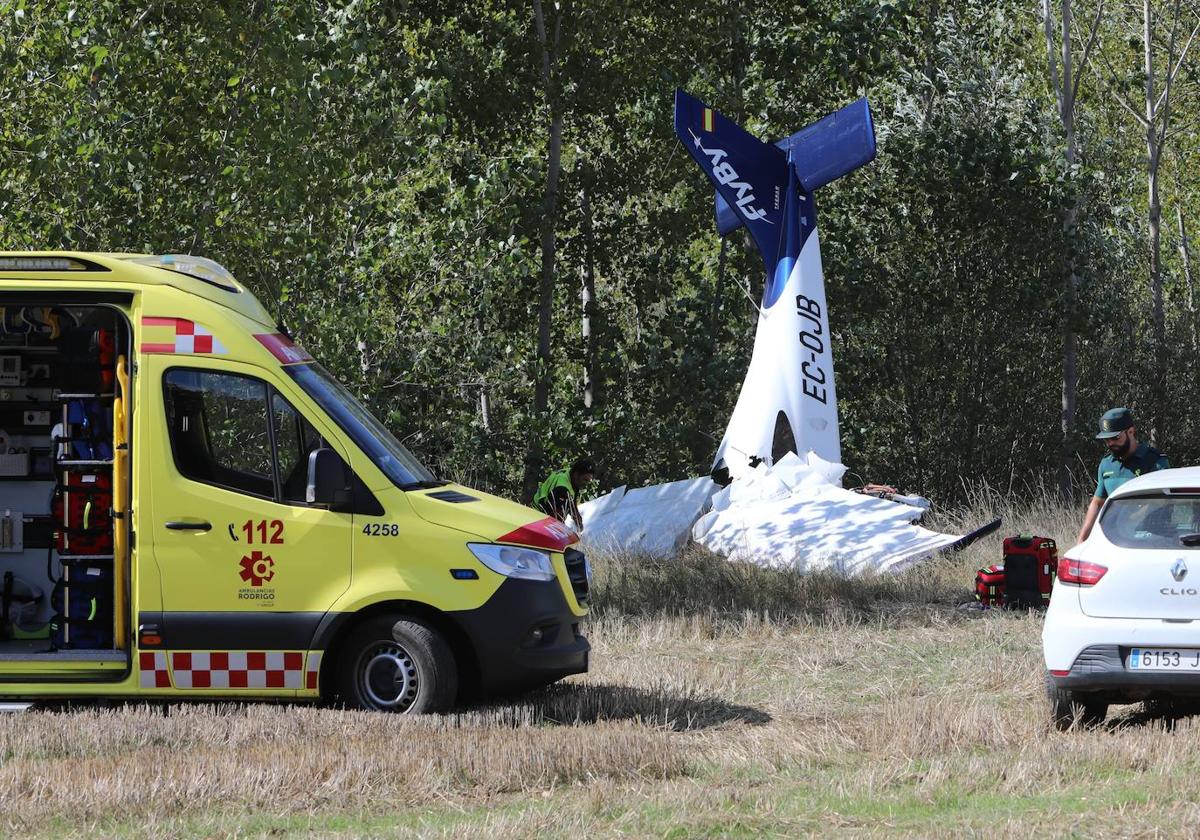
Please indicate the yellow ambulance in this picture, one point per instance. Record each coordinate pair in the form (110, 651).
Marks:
(191, 506)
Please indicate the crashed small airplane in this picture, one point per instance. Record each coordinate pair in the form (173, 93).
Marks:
(788, 397)
(786, 506)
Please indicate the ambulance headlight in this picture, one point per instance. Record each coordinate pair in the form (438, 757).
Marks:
(514, 562)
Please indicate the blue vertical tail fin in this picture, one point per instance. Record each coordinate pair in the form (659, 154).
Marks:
(750, 175)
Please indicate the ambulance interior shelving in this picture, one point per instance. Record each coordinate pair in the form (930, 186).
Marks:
(63, 376)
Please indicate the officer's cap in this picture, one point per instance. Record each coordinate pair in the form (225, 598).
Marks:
(1114, 421)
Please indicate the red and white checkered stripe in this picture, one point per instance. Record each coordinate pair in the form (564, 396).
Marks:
(153, 667)
(190, 337)
(312, 670)
(231, 669)
(178, 335)
(237, 669)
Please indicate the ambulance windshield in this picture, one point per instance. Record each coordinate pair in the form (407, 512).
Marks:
(372, 437)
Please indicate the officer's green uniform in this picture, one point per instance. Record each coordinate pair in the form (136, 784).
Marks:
(551, 502)
(1114, 472)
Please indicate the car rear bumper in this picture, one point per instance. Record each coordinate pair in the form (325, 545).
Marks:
(525, 636)
(1067, 632)
(1105, 669)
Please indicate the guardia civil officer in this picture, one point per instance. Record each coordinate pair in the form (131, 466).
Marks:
(559, 494)
(1127, 458)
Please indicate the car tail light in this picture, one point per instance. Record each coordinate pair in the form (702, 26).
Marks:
(1080, 572)
(1065, 673)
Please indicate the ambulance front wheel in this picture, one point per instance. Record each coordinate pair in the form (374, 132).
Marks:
(393, 663)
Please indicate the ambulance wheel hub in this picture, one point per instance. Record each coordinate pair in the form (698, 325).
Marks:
(389, 677)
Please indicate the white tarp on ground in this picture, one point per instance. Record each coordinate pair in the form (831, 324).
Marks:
(650, 520)
(794, 514)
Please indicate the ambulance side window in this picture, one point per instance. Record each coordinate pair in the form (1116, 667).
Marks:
(219, 429)
(295, 439)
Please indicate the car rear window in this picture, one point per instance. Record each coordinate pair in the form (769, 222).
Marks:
(1152, 521)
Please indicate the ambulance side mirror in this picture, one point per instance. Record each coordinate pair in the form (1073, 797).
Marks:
(328, 484)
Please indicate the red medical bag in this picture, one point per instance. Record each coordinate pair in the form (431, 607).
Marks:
(82, 510)
(1030, 565)
(989, 586)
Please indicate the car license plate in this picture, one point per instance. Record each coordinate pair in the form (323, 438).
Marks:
(1164, 659)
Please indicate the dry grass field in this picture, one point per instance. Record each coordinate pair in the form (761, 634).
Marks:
(724, 701)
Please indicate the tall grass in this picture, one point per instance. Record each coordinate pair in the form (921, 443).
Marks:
(831, 692)
(139, 761)
(699, 583)
(1036, 510)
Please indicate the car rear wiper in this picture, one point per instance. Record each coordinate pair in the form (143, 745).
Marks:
(1190, 539)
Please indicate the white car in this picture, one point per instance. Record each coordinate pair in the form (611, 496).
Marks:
(1124, 619)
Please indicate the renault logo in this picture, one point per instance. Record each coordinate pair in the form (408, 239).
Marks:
(1179, 570)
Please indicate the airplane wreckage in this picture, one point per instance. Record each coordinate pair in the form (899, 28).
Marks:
(782, 503)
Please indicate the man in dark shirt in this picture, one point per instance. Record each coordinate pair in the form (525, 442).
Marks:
(1127, 458)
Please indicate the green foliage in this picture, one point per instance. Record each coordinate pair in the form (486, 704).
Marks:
(374, 171)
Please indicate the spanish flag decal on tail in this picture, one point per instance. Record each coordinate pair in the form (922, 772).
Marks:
(178, 335)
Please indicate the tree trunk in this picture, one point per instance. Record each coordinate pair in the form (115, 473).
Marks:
(485, 408)
(588, 299)
(535, 453)
(1153, 158)
(1071, 297)
(1156, 287)
(1185, 253)
(1064, 91)
(714, 311)
(1158, 370)
(755, 289)
(1070, 385)
(915, 419)
(929, 35)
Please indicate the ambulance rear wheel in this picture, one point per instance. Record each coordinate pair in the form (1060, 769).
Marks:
(397, 664)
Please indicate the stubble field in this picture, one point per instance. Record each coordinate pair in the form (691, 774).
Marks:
(724, 700)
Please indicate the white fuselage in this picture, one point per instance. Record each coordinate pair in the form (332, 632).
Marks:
(791, 371)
